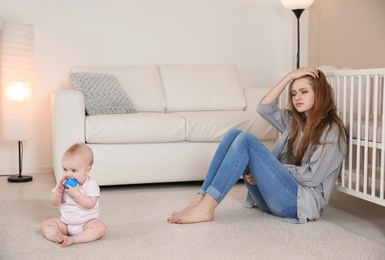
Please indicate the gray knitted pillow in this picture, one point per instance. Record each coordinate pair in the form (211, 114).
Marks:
(102, 93)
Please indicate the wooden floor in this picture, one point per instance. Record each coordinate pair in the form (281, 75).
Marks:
(359, 216)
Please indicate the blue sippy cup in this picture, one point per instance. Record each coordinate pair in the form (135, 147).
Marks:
(70, 182)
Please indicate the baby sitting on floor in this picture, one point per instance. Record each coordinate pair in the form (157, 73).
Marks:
(79, 206)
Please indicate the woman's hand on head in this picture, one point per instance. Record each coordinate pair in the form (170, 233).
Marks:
(277, 90)
(295, 74)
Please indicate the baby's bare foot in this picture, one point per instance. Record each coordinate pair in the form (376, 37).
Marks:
(67, 241)
(59, 237)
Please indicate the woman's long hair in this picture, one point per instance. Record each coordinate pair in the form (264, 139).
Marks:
(322, 116)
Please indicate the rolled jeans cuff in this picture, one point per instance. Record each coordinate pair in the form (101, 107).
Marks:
(213, 192)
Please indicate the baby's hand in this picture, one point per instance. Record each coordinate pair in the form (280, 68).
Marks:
(73, 191)
(60, 187)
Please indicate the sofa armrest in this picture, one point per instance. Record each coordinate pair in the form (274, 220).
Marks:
(68, 119)
(253, 97)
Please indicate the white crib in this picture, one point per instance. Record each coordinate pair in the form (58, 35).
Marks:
(360, 99)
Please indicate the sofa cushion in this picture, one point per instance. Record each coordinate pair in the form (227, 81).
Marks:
(211, 126)
(102, 93)
(202, 87)
(134, 128)
(141, 82)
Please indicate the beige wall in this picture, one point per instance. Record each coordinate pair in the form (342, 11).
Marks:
(347, 33)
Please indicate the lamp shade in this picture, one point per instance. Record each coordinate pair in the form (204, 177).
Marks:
(297, 4)
(17, 81)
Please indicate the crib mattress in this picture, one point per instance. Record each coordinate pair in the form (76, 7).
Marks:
(362, 129)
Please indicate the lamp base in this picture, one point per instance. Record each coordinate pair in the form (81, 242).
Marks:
(19, 178)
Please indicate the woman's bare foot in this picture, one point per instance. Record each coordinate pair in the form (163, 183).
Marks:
(201, 212)
(191, 205)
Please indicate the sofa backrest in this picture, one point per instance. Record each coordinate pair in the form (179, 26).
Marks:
(202, 87)
(175, 88)
(141, 82)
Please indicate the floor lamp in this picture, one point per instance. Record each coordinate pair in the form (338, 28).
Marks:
(297, 6)
(17, 81)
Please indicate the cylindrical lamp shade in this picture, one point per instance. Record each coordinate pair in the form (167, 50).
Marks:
(297, 4)
(17, 81)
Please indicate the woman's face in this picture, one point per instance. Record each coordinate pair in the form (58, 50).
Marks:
(302, 95)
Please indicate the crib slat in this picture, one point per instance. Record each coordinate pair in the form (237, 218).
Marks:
(350, 158)
(374, 147)
(382, 165)
(344, 98)
(366, 133)
(359, 144)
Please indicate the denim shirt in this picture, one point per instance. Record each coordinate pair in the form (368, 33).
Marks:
(316, 177)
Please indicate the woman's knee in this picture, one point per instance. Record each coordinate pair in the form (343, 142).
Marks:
(231, 135)
(234, 131)
(246, 138)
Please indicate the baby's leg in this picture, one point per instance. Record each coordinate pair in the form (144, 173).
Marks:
(92, 230)
(54, 230)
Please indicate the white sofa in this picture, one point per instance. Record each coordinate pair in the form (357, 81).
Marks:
(183, 113)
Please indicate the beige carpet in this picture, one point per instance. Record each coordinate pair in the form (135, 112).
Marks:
(137, 229)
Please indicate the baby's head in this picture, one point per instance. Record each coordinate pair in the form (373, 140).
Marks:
(77, 162)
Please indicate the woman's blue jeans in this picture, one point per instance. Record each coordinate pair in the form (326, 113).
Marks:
(240, 153)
